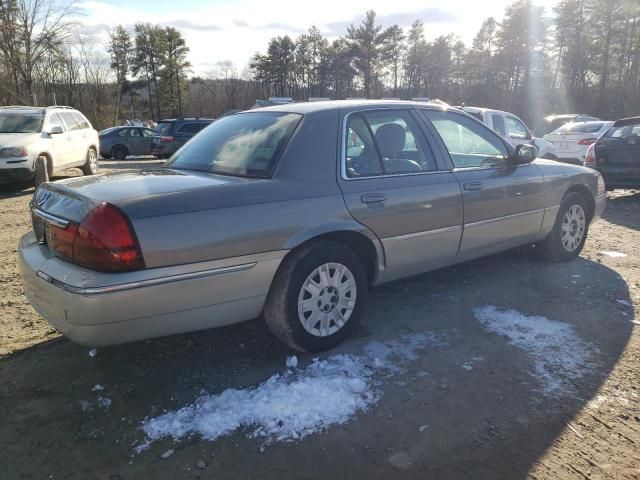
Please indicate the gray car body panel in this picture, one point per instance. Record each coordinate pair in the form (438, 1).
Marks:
(189, 223)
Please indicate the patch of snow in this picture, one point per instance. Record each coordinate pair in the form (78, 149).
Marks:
(294, 404)
(624, 302)
(167, 454)
(97, 388)
(613, 254)
(292, 362)
(103, 402)
(576, 276)
(467, 366)
(559, 355)
(93, 352)
(422, 428)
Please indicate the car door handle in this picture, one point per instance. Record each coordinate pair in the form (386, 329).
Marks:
(473, 186)
(373, 197)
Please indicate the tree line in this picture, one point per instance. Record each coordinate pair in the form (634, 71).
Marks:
(584, 58)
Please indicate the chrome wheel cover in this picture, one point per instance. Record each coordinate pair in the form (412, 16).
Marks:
(574, 225)
(327, 299)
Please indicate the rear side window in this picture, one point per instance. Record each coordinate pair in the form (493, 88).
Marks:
(243, 145)
(163, 128)
(70, 121)
(469, 144)
(82, 120)
(623, 131)
(191, 127)
(386, 142)
(498, 124)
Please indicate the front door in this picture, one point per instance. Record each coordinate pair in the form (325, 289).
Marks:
(77, 150)
(503, 202)
(618, 153)
(394, 184)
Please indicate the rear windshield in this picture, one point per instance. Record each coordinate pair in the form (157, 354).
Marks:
(245, 145)
(591, 127)
(29, 121)
(163, 128)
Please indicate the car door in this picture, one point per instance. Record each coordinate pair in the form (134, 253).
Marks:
(503, 202)
(146, 135)
(135, 141)
(618, 153)
(394, 183)
(59, 143)
(76, 152)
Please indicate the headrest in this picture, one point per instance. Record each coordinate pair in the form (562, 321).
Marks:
(390, 138)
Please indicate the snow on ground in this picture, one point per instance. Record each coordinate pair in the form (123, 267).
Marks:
(291, 405)
(559, 355)
(613, 254)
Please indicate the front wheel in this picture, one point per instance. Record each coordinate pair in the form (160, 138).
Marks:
(569, 232)
(317, 296)
(91, 165)
(41, 171)
(119, 152)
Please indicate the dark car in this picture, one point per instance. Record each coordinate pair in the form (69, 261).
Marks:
(171, 134)
(120, 142)
(293, 212)
(553, 122)
(616, 154)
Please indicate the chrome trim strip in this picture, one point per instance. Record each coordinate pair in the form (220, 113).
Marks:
(505, 217)
(57, 221)
(145, 283)
(426, 233)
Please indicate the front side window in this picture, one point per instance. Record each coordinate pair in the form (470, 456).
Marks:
(246, 144)
(147, 133)
(125, 132)
(516, 129)
(70, 121)
(385, 142)
(469, 144)
(54, 121)
(25, 121)
(498, 124)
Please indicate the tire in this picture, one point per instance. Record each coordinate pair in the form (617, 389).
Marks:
(565, 243)
(106, 157)
(119, 152)
(329, 320)
(91, 165)
(41, 171)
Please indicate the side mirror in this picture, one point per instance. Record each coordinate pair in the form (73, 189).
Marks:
(57, 130)
(525, 154)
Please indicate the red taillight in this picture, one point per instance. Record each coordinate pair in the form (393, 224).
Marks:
(104, 241)
(587, 141)
(167, 139)
(590, 156)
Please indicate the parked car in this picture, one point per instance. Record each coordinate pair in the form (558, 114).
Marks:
(572, 139)
(172, 134)
(552, 122)
(512, 129)
(119, 142)
(616, 154)
(35, 142)
(295, 211)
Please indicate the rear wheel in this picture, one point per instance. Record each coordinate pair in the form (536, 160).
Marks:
(317, 296)
(569, 233)
(91, 165)
(41, 171)
(119, 152)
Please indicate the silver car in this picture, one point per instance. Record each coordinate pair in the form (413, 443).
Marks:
(293, 212)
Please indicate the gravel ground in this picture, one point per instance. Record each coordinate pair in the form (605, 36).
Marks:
(535, 374)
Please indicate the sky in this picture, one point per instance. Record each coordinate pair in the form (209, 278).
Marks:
(221, 30)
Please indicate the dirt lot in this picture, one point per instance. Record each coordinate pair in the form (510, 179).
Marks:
(544, 385)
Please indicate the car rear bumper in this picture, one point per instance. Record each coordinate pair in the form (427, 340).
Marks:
(97, 309)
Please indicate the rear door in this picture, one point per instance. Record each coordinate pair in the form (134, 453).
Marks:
(618, 153)
(503, 202)
(396, 184)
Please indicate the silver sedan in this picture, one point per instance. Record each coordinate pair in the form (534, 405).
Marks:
(293, 212)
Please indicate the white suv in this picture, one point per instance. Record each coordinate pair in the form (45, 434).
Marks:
(37, 141)
(512, 129)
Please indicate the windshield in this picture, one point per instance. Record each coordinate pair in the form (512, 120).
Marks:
(245, 144)
(29, 121)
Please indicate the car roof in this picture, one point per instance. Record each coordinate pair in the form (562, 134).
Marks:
(627, 121)
(309, 107)
(167, 120)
